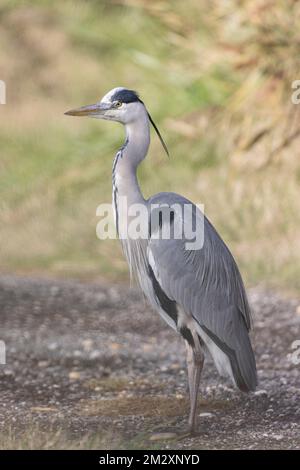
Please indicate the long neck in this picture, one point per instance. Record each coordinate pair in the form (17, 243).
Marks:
(126, 189)
(128, 158)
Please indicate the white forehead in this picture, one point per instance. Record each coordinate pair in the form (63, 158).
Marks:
(107, 98)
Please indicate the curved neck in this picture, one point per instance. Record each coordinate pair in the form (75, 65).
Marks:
(127, 160)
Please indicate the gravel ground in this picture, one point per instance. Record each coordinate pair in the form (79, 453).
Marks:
(95, 360)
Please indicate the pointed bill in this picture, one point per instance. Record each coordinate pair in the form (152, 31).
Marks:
(90, 110)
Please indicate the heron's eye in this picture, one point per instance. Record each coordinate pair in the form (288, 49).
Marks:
(118, 104)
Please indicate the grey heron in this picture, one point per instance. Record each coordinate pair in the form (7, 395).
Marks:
(198, 292)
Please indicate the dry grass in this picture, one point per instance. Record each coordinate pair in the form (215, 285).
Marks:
(122, 384)
(145, 406)
(37, 438)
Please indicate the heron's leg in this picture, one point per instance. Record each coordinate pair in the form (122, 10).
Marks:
(190, 369)
(195, 360)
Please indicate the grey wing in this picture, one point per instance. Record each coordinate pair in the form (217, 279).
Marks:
(207, 284)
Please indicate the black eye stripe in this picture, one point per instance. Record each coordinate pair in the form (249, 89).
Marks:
(125, 96)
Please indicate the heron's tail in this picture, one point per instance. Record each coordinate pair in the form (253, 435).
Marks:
(233, 355)
(242, 361)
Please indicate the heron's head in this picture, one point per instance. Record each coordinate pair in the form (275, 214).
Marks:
(120, 105)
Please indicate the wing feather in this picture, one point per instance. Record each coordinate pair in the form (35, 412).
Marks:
(207, 284)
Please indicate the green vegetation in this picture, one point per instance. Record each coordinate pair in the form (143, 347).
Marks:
(216, 76)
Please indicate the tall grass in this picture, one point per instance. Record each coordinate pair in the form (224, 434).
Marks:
(217, 77)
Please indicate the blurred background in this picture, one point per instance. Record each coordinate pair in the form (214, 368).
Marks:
(215, 75)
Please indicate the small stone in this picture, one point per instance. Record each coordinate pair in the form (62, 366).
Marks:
(87, 344)
(260, 393)
(115, 346)
(278, 437)
(206, 415)
(94, 354)
(179, 396)
(43, 364)
(74, 375)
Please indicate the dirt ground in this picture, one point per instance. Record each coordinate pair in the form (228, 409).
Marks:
(94, 360)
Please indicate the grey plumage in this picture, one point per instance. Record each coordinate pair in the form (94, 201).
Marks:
(199, 292)
(207, 284)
